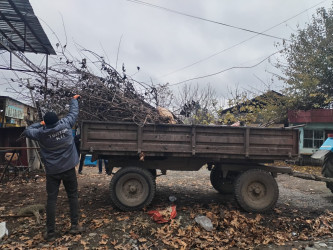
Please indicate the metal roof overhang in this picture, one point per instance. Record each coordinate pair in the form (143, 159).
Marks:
(20, 29)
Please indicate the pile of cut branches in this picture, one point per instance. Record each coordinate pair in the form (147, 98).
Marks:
(107, 95)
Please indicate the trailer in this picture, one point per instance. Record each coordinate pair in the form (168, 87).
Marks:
(236, 156)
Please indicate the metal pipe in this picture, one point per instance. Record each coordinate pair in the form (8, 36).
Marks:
(10, 148)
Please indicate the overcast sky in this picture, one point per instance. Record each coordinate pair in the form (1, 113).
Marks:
(176, 48)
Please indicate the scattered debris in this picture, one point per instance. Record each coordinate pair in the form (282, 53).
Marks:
(163, 216)
(108, 228)
(32, 209)
(3, 230)
(205, 222)
(167, 115)
(172, 198)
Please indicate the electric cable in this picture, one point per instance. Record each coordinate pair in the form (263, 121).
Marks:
(235, 45)
(224, 70)
(203, 19)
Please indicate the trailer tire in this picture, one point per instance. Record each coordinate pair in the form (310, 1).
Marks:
(220, 184)
(256, 191)
(327, 170)
(153, 172)
(132, 188)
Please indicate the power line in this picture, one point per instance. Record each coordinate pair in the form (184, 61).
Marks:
(235, 45)
(203, 19)
(224, 70)
(227, 25)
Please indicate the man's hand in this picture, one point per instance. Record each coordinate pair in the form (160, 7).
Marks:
(77, 97)
(42, 123)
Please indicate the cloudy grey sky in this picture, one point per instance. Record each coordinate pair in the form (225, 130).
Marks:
(175, 48)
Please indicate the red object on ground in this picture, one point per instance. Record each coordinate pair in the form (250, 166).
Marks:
(158, 218)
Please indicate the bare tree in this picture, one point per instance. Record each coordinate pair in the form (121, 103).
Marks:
(196, 105)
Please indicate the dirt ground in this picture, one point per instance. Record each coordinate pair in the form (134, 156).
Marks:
(303, 216)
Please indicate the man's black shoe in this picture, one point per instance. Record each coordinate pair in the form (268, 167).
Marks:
(50, 236)
(77, 229)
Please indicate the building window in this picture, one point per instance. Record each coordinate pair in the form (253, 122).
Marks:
(313, 138)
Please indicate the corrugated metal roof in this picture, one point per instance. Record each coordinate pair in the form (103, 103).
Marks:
(314, 115)
(20, 28)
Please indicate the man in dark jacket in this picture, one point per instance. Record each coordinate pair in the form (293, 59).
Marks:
(60, 157)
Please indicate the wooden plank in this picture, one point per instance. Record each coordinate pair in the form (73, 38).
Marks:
(275, 141)
(193, 140)
(270, 151)
(219, 145)
(111, 126)
(220, 132)
(253, 153)
(296, 137)
(154, 147)
(272, 137)
(219, 139)
(113, 146)
(84, 136)
(107, 135)
(272, 132)
(166, 137)
(247, 142)
(139, 139)
(226, 149)
(166, 128)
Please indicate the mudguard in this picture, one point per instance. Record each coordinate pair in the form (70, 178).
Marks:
(328, 144)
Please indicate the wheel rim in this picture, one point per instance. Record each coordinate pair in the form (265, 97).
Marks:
(257, 195)
(256, 191)
(132, 190)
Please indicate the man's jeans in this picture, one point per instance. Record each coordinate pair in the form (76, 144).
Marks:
(100, 165)
(52, 187)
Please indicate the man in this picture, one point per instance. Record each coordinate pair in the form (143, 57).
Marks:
(77, 141)
(106, 165)
(60, 157)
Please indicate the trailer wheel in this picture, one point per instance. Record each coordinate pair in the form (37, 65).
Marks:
(223, 186)
(327, 170)
(153, 172)
(256, 191)
(132, 188)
